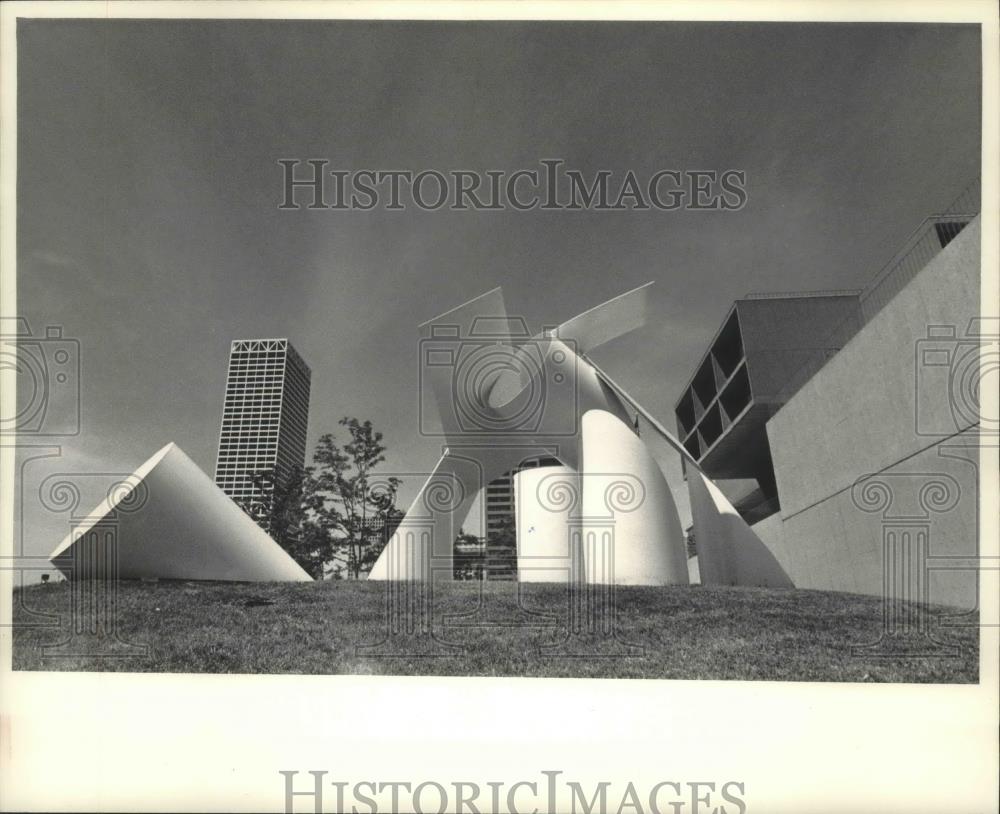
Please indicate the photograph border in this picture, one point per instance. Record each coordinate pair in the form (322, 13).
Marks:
(191, 742)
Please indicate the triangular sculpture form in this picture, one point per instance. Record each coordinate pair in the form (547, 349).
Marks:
(168, 520)
(504, 396)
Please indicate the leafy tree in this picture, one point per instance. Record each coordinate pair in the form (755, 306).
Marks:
(468, 556)
(689, 540)
(501, 549)
(347, 502)
(285, 509)
(332, 514)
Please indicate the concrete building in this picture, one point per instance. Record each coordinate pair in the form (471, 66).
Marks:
(767, 346)
(377, 530)
(264, 418)
(869, 445)
(885, 489)
(470, 558)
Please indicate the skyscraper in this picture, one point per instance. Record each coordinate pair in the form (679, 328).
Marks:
(264, 419)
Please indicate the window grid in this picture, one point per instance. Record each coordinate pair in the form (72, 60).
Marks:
(265, 415)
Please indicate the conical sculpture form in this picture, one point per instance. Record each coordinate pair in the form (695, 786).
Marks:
(632, 534)
(729, 551)
(168, 520)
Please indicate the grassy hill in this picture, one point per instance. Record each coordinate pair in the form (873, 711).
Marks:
(493, 629)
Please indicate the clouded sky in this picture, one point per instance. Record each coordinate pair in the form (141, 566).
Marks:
(148, 188)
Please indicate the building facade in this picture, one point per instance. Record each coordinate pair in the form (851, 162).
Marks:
(767, 347)
(876, 457)
(864, 452)
(264, 420)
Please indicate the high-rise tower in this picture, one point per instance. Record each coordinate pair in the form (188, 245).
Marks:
(264, 419)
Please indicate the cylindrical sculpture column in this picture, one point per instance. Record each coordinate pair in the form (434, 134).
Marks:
(632, 533)
(545, 500)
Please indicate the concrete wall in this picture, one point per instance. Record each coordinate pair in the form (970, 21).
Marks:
(880, 408)
(787, 339)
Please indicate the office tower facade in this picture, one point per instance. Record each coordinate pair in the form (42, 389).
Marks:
(264, 420)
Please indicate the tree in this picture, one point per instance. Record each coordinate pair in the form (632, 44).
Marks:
(286, 509)
(388, 519)
(689, 540)
(347, 502)
(501, 549)
(468, 556)
(333, 513)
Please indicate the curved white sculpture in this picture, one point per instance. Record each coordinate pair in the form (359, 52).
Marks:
(504, 397)
(633, 535)
(547, 505)
(729, 551)
(733, 552)
(168, 520)
(493, 418)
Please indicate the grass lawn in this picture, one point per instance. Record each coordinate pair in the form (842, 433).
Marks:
(496, 629)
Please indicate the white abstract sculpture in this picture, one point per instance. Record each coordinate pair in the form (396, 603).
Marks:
(503, 396)
(644, 544)
(729, 551)
(547, 501)
(168, 520)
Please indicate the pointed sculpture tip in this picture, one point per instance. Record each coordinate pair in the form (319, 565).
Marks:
(463, 305)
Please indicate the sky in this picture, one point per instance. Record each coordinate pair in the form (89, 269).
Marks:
(148, 193)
